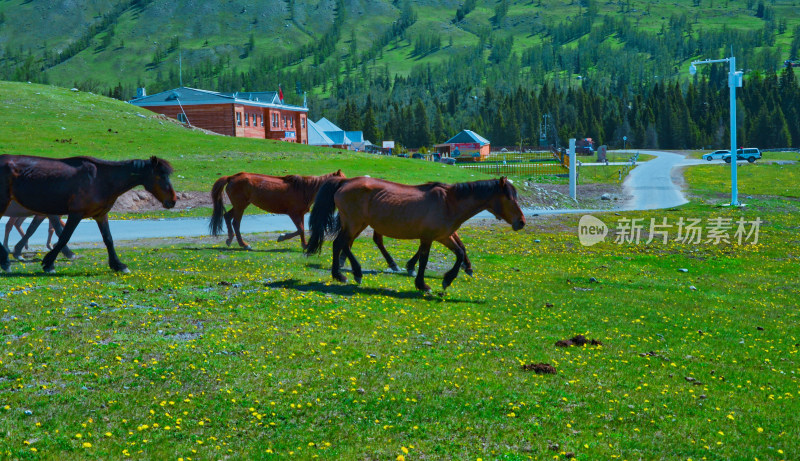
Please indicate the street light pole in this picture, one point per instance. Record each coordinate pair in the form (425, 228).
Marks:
(734, 81)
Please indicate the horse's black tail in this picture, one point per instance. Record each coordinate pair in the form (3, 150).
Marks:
(215, 226)
(322, 220)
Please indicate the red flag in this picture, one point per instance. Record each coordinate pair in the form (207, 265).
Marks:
(280, 93)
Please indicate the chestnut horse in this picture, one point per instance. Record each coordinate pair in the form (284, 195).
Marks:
(428, 212)
(16, 215)
(79, 187)
(291, 195)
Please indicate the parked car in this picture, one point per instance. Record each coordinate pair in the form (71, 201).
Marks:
(402, 155)
(717, 154)
(417, 156)
(447, 161)
(751, 154)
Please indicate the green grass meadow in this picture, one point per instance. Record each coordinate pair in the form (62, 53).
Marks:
(210, 352)
(207, 352)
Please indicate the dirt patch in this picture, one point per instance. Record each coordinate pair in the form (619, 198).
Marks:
(141, 200)
(578, 340)
(556, 196)
(540, 368)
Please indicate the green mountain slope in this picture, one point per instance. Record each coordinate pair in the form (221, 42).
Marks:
(444, 65)
(136, 42)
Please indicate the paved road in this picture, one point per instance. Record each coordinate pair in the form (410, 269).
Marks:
(650, 184)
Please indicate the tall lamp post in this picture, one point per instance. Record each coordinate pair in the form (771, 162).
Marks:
(734, 81)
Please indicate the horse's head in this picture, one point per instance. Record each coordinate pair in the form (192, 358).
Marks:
(156, 181)
(504, 205)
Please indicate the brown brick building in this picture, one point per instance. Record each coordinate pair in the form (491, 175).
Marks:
(249, 115)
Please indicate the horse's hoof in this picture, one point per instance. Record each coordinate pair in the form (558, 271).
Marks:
(282, 237)
(394, 268)
(49, 270)
(247, 248)
(340, 278)
(357, 280)
(228, 242)
(468, 272)
(412, 273)
(5, 267)
(424, 288)
(19, 257)
(125, 270)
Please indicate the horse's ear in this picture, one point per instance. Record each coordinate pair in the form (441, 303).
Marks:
(503, 181)
(338, 172)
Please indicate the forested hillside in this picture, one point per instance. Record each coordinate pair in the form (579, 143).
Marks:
(418, 71)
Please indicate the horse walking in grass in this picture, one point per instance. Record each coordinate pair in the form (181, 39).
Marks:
(79, 187)
(16, 216)
(428, 212)
(291, 195)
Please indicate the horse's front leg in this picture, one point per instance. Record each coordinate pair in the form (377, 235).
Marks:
(378, 239)
(113, 261)
(467, 265)
(66, 234)
(450, 275)
(58, 227)
(298, 223)
(424, 251)
(23, 243)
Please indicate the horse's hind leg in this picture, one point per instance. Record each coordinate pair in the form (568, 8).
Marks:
(237, 221)
(411, 264)
(66, 234)
(450, 275)
(424, 251)
(228, 216)
(23, 243)
(378, 239)
(467, 265)
(338, 246)
(5, 197)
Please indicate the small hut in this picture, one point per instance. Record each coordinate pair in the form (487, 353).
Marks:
(466, 146)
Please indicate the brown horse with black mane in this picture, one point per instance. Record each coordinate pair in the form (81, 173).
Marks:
(79, 187)
(291, 195)
(428, 212)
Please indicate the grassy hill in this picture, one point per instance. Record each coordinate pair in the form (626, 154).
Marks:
(56, 122)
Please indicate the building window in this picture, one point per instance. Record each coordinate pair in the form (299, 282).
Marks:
(291, 123)
(261, 120)
(302, 122)
(246, 119)
(182, 118)
(284, 122)
(238, 119)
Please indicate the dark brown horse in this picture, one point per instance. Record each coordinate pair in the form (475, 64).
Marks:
(79, 187)
(291, 195)
(17, 214)
(428, 212)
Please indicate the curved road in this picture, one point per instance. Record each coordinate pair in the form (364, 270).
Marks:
(650, 184)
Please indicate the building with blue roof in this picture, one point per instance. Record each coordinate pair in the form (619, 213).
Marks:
(256, 114)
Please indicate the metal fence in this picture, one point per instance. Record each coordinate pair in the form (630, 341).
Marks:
(516, 169)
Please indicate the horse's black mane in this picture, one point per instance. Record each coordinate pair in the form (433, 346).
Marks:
(480, 190)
